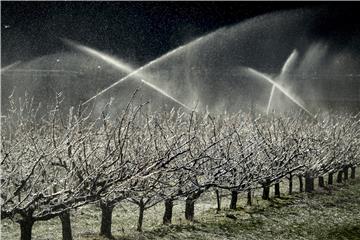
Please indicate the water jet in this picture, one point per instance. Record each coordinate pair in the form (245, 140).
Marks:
(279, 87)
(284, 71)
(6, 68)
(123, 67)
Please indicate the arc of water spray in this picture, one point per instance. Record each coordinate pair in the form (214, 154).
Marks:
(43, 70)
(165, 94)
(270, 99)
(10, 66)
(126, 68)
(107, 58)
(279, 87)
(284, 70)
(136, 72)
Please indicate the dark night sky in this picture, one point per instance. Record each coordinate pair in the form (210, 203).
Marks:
(142, 31)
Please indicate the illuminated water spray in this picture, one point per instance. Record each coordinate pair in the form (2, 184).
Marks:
(41, 71)
(137, 72)
(279, 87)
(107, 58)
(10, 66)
(289, 63)
(165, 94)
(126, 68)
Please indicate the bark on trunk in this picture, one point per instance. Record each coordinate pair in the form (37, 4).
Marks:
(309, 184)
(66, 225)
(266, 190)
(330, 179)
(190, 204)
(301, 184)
(141, 215)
(106, 220)
(290, 184)
(352, 174)
(339, 177)
(346, 173)
(189, 209)
(169, 204)
(26, 229)
(234, 198)
(277, 189)
(249, 198)
(218, 200)
(321, 182)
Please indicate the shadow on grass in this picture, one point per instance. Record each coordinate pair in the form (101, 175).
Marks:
(250, 220)
(351, 232)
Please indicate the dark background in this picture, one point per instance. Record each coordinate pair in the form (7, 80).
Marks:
(141, 31)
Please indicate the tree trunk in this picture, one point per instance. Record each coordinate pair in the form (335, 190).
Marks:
(339, 177)
(218, 200)
(290, 184)
(66, 225)
(330, 178)
(141, 215)
(346, 173)
(249, 199)
(189, 209)
(106, 219)
(301, 184)
(266, 190)
(309, 184)
(234, 198)
(168, 211)
(190, 204)
(26, 229)
(321, 182)
(352, 174)
(277, 189)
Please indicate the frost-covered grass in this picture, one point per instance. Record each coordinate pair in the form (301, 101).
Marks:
(323, 215)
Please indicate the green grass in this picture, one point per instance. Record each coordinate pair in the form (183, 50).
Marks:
(329, 215)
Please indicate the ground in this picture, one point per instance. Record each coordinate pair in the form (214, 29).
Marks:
(327, 214)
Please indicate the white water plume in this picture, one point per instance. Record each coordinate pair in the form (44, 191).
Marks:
(105, 57)
(289, 63)
(195, 67)
(6, 68)
(136, 73)
(279, 87)
(165, 94)
(122, 66)
(43, 70)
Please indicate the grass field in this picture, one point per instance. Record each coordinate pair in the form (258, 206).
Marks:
(329, 215)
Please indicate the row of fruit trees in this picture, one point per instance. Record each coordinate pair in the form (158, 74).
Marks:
(60, 159)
